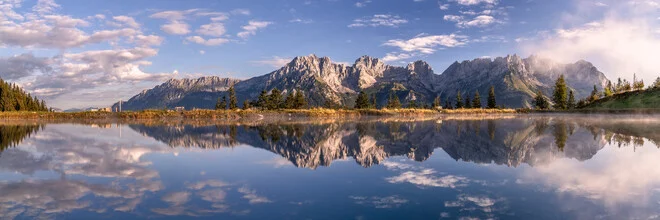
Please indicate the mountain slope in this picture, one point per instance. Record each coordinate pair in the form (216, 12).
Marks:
(323, 82)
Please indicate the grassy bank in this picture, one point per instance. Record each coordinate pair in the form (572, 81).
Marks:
(243, 114)
(638, 100)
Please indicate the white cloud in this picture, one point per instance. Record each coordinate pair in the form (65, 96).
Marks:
(618, 47)
(24, 65)
(129, 21)
(240, 11)
(252, 27)
(443, 6)
(207, 42)
(478, 21)
(202, 52)
(379, 20)
(45, 6)
(363, 3)
(275, 61)
(302, 21)
(252, 197)
(390, 57)
(176, 28)
(387, 202)
(212, 29)
(426, 178)
(475, 2)
(428, 44)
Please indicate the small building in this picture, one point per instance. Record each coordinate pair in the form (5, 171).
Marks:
(93, 109)
(108, 109)
(179, 108)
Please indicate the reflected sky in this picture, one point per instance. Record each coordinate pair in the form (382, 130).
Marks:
(526, 167)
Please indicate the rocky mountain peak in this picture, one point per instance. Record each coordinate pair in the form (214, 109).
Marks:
(420, 67)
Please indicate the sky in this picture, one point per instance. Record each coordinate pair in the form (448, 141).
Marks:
(79, 54)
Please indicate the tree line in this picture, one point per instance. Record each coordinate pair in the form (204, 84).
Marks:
(274, 100)
(564, 98)
(14, 98)
(265, 101)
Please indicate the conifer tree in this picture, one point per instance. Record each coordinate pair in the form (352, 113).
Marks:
(262, 101)
(656, 84)
(560, 95)
(374, 101)
(594, 95)
(393, 101)
(476, 102)
(448, 105)
(275, 99)
(233, 102)
(571, 100)
(539, 100)
(300, 102)
(246, 105)
(459, 100)
(289, 101)
(491, 98)
(436, 102)
(467, 103)
(362, 101)
(412, 104)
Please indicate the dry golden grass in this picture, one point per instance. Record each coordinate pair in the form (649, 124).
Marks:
(253, 113)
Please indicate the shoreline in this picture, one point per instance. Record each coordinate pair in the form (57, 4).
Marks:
(279, 115)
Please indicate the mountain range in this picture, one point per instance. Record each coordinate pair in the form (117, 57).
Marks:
(322, 81)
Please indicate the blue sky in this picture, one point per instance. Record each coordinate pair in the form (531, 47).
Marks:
(91, 53)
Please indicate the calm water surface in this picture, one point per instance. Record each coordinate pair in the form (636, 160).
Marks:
(527, 167)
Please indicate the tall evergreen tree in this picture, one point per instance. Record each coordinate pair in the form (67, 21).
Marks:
(218, 104)
(608, 91)
(436, 102)
(246, 105)
(476, 102)
(491, 98)
(362, 101)
(300, 102)
(467, 103)
(447, 105)
(459, 100)
(289, 101)
(374, 101)
(594, 95)
(275, 99)
(233, 102)
(656, 84)
(539, 100)
(560, 95)
(412, 104)
(262, 101)
(393, 101)
(571, 100)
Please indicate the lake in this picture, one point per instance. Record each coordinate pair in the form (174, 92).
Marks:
(508, 167)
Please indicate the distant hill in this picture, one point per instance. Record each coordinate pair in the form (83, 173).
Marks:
(644, 99)
(323, 81)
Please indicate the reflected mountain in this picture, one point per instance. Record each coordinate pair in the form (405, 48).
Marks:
(509, 142)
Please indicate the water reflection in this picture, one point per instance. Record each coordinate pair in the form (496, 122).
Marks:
(592, 166)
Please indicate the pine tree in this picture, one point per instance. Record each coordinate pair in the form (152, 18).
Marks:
(300, 102)
(289, 101)
(262, 101)
(362, 101)
(467, 103)
(233, 102)
(560, 95)
(476, 102)
(275, 99)
(571, 100)
(539, 100)
(491, 98)
(412, 104)
(448, 105)
(436, 102)
(608, 91)
(246, 105)
(218, 104)
(459, 100)
(656, 84)
(374, 102)
(393, 101)
(594, 95)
